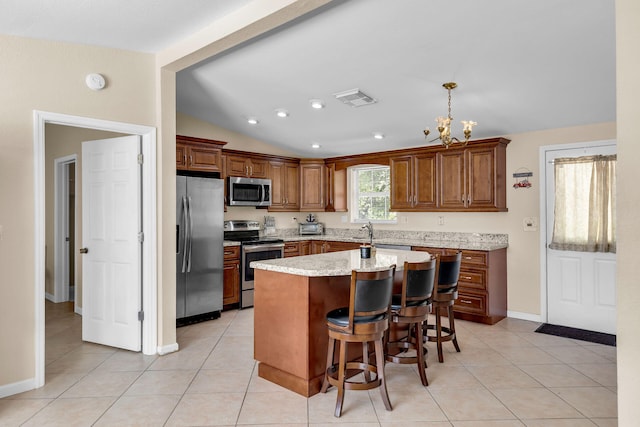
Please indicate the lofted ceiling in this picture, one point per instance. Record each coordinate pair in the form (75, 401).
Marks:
(520, 65)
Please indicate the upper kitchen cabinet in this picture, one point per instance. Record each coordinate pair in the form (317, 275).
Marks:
(312, 180)
(285, 186)
(198, 154)
(413, 182)
(336, 188)
(473, 178)
(245, 165)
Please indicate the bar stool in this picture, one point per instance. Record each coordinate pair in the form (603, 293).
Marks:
(443, 299)
(410, 308)
(366, 319)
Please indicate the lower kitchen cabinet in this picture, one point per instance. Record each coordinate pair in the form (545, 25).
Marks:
(321, 247)
(482, 286)
(291, 249)
(231, 274)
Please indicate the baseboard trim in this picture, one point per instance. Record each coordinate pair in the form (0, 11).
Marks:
(49, 297)
(524, 316)
(18, 387)
(78, 310)
(166, 349)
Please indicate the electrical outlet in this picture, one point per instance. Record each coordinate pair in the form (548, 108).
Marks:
(440, 220)
(530, 223)
(404, 219)
(343, 218)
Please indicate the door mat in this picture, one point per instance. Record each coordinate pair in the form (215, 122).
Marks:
(577, 334)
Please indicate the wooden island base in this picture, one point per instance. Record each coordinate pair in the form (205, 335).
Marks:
(290, 332)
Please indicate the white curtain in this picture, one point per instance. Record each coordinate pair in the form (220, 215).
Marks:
(585, 204)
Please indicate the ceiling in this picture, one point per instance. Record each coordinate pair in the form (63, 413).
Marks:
(520, 65)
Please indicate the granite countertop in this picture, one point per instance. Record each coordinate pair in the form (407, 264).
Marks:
(339, 263)
(448, 240)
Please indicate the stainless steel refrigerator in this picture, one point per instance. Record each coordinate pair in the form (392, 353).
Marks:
(199, 248)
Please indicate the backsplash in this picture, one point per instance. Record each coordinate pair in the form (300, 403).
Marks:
(405, 235)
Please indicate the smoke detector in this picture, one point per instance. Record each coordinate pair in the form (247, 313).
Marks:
(355, 98)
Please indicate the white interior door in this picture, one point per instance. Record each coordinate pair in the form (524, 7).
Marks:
(581, 286)
(111, 221)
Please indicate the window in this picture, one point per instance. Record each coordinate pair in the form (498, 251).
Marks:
(585, 205)
(370, 199)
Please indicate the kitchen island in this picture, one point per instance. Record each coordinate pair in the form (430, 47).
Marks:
(292, 298)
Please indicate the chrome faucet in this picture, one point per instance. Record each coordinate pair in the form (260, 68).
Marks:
(369, 228)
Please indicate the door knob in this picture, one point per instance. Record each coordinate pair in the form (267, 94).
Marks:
(84, 250)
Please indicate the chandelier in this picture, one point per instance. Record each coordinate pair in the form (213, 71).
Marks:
(444, 124)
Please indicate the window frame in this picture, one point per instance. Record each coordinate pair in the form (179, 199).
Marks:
(354, 195)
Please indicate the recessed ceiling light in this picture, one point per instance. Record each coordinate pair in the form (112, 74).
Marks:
(315, 145)
(316, 103)
(252, 120)
(281, 112)
(378, 135)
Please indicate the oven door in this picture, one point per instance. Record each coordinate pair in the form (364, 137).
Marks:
(255, 252)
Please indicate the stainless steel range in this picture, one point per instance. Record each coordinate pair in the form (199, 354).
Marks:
(253, 248)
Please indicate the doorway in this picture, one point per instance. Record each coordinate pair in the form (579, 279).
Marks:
(577, 288)
(65, 230)
(149, 282)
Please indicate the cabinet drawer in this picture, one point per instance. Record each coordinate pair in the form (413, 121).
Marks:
(474, 279)
(471, 303)
(432, 251)
(474, 257)
(231, 252)
(291, 249)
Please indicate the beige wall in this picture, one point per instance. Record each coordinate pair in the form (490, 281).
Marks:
(62, 141)
(628, 199)
(48, 76)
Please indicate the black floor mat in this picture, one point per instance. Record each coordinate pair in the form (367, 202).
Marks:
(577, 334)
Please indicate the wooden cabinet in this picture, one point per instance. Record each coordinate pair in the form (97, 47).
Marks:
(239, 165)
(312, 182)
(285, 186)
(482, 286)
(413, 182)
(322, 247)
(336, 188)
(473, 178)
(291, 249)
(197, 154)
(305, 247)
(231, 276)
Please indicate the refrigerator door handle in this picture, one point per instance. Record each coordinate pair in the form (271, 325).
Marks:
(185, 234)
(190, 235)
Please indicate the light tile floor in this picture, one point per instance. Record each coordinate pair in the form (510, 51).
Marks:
(505, 376)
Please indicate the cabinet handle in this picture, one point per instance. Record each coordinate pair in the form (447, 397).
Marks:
(228, 252)
(191, 160)
(250, 170)
(184, 158)
(246, 170)
(465, 301)
(467, 257)
(466, 277)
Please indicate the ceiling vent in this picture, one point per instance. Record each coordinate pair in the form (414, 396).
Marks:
(355, 98)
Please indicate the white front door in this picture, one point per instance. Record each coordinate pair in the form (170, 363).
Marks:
(111, 221)
(581, 286)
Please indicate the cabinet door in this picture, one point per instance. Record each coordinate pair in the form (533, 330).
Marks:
(451, 179)
(424, 185)
(317, 247)
(336, 188)
(231, 282)
(292, 185)
(481, 178)
(305, 247)
(401, 183)
(312, 183)
(237, 166)
(291, 249)
(181, 156)
(205, 159)
(278, 186)
(258, 168)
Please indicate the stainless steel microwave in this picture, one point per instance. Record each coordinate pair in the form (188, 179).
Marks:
(310, 228)
(243, 191)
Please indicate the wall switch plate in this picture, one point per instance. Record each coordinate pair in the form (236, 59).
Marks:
(530, 223)
(403, 219)
(441, 220)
